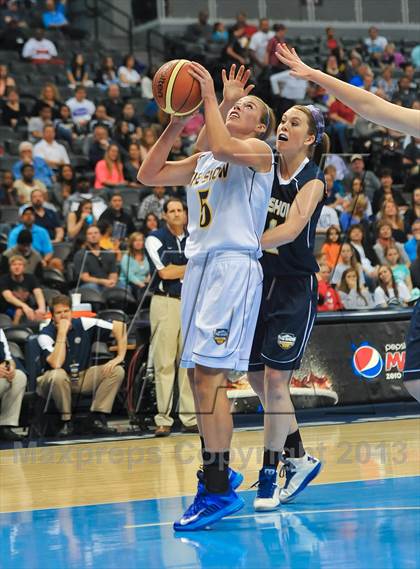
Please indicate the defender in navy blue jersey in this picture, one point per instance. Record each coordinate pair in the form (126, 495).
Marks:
(290, 296)
(389, 115)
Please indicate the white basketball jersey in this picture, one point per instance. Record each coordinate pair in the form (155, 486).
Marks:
(227, 206)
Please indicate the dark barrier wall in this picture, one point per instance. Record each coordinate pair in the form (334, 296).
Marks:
(353, 358)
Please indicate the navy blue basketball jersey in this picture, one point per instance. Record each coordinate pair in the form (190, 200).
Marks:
(296, 258)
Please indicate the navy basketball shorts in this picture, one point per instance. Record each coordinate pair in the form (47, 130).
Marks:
(286, 318)
(412, 352)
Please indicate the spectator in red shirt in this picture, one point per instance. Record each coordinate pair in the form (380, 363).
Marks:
(270, 57)
(329, 299)
(242, 23)
(341, 118)
(332, 42)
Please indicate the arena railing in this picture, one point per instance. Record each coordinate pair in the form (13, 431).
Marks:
(103, 10)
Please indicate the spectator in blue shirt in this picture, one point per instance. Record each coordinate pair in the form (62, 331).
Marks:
(55, 18)
(410, 246)
(55, 15)
(43, 172)
(41, 241)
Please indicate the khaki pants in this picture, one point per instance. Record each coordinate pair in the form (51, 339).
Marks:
(104, 388)
(11, 395)
(166, 347)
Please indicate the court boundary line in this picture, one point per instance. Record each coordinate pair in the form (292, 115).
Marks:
(288, 513)
(191, 495)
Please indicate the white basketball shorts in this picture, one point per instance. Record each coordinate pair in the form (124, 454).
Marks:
(220, 301)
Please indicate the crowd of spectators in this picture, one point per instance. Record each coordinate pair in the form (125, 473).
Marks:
(77, 122)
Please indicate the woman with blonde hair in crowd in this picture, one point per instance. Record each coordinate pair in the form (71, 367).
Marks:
(352, 295)
(109, 171)
(50, 96)
(349, 261)
(135, 268)
(6, 82)
(389, 213)
(356, 213)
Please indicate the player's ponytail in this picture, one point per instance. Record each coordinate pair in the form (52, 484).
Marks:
(321, 149)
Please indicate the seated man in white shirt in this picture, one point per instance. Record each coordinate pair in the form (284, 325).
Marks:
(12, 388)
(38, 48)
(54, 154)
(327, 218)
(82, 109)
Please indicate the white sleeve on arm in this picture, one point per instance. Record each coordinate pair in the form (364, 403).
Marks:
(88, 323)
(46, 343)
(3, 340)
(379, 297)
(153, 244)
(27, 49)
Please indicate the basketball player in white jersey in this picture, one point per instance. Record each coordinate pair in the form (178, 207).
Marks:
(228, 192)
(391, 116)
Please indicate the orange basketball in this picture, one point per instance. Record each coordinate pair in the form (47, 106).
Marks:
(174, 90)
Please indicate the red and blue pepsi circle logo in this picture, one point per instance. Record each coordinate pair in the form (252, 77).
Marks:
(367, 362)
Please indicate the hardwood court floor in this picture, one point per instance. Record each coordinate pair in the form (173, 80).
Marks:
(62, 475)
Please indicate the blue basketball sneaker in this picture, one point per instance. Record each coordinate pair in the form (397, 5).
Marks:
(235, 479)
(298, 472)
(207, 509)
(268, 491)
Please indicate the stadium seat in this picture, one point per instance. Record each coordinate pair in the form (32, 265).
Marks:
(5, 321)
(18, 334)
(12, 147)
(62, 250)
(8, 133)
(130, 196)
(93, 297)
(100, 353)
(49, 294)
(9, 213)
(17, 352)
(110, 314)
(55, 279)
(120, 298)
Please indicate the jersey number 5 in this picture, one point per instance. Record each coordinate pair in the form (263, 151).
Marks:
(205, 211)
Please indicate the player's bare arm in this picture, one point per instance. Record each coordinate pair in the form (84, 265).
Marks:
(234, 87)
(225, 147)
(366, 104)
(301, 210)
(156, 170)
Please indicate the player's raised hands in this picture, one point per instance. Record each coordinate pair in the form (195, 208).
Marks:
(290, 58)
(235, 84)
(201, 74)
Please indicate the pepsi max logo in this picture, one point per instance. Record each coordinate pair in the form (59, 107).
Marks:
(367, 362)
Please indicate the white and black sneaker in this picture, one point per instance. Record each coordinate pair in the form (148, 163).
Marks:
(298, 472)
(267, 497)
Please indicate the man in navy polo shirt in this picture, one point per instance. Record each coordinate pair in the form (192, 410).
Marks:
(66, 350)
(165, 251)
(12, 388)
(46, 217)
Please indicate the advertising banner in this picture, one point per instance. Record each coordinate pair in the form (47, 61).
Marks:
(347, 363)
